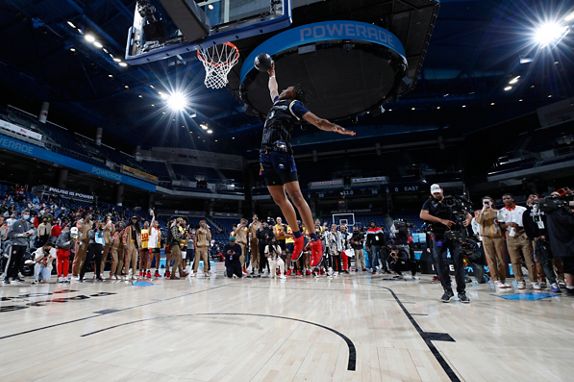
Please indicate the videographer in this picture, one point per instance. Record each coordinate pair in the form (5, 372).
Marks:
(534, 221)
(442, 218)
(560, 220)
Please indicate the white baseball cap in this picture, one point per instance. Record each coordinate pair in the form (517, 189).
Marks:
(435, 188)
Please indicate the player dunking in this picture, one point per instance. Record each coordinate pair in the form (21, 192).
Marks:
(277, 164)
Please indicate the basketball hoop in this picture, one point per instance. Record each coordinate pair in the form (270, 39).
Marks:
(218, 61)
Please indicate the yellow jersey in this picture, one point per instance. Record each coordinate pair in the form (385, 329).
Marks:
(145, 238)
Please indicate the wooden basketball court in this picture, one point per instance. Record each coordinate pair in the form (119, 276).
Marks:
(353, 327)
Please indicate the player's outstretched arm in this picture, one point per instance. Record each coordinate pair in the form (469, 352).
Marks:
(273, 86)
(326, 125)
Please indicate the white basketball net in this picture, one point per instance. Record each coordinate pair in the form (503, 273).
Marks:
(218, 61)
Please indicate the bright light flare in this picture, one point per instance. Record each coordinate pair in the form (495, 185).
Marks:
(549, 33)
(90, 38)
(176, 101)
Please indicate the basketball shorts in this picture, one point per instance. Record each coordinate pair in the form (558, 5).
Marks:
(277, 168)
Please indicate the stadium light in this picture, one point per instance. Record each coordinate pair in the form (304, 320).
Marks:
(98, 44)
(549, 33)
(176, 101)
(204, 126)
(90, 38)
(508, 88)
(514, 80)
(209, 131)
(71, 24)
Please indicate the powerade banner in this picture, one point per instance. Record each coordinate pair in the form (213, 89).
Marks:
(33, 151)
(334, 30)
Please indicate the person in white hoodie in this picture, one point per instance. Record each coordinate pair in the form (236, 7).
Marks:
(44, 258)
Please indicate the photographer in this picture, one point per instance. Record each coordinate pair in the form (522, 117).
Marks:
(442, 217)
(560, 220)
(43, 258)
(493, 242)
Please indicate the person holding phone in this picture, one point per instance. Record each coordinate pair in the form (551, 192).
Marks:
(493, 242)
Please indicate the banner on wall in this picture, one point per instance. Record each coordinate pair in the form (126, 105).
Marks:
(138, 173)
(68, 194)
(23, 148)
(20, 130)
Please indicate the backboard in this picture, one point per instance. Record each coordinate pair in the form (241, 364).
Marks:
(166, 28)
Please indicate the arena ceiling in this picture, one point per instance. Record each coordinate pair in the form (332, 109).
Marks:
(475, 50)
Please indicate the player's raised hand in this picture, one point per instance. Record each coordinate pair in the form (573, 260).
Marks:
(271, 70)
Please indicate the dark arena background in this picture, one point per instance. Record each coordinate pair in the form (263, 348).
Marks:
(139, 238)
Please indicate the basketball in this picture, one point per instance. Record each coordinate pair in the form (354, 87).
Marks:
(263, 62)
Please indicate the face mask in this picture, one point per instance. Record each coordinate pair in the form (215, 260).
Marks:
(25, 217)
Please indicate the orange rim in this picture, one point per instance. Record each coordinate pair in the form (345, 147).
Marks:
(201, 56)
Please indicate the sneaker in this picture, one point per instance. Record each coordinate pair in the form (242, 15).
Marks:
(167, 274)
(498, 284)
(505, 285)
(308, 272)
(521, 285)
(174, 277)
(447, 296)
(316, 252)
(6, 281)
(282, 277)
(141, 274)
(298, 273)
(60, 280)
(298, 247)
(148, 274)
(554, 288)
(543, 285)
(561, 283)
(536, 286)
(156, 274)
(288, 273)
(35, 282)
(463, 298)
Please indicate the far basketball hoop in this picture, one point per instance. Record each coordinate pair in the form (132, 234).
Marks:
(218, 60)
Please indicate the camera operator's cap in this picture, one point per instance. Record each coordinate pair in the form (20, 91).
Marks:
(435, 188)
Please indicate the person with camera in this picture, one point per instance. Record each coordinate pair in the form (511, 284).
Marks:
(441, 217)
(493, 242)
(43, 259)
(534, 222)
(560, 224)
(517, 243)
(19, 234)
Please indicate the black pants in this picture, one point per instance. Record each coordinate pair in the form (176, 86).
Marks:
(94, 254)
(263, 262)
(441, 263)
(403, 266)
(15, 261)
(543, 255)
(233, 267)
